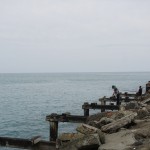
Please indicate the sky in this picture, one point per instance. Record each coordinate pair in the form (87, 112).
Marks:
(74, 36)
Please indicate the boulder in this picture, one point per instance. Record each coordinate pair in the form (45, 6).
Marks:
(87, 142)
(132, 105)
(87, 129)
(142, 113)
(99, 124)
(64, 137)
(142, 134)
(105, 121)
(98, 116)
(118, 141)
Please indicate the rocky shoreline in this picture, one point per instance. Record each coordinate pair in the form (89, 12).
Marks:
(126, 129)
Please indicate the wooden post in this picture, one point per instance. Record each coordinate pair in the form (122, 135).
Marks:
(103, 102)
(53, 130)
(86, 111)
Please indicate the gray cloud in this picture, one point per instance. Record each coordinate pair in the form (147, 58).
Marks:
(81, 35)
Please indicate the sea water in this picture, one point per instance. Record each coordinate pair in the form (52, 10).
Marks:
(26, 99)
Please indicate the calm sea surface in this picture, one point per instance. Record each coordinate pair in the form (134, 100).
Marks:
(26, 99)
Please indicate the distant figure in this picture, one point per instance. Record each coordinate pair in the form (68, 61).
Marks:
(148, 86)
(126, 97)
(116, 94)
(139, 93)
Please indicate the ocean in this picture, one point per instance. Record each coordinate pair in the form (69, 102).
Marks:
(26, 99)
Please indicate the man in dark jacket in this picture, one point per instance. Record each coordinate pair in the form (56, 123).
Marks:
(116, 94)
(139, 93)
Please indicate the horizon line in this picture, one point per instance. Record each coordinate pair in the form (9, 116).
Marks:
(75, 72)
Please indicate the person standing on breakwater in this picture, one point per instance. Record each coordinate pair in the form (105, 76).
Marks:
(148, 86)
(139, 93)
(116, 94)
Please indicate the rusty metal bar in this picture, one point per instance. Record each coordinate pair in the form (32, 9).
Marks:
(16, 142)
(114, 100)
(96, 106)
(31, 144)
(66, 118)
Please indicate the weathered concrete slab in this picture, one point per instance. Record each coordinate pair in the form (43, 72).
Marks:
(118, 141)
(116, 125)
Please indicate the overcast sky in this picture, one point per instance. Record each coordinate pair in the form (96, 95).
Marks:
(74, 35)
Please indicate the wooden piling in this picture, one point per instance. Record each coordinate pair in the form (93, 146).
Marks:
(55, 118)
(86, 110)
(53, 130)
(103, 102)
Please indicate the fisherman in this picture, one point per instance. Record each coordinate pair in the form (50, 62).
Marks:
(139, 93)
(116, 94)
(126, 97)
(148, 86)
